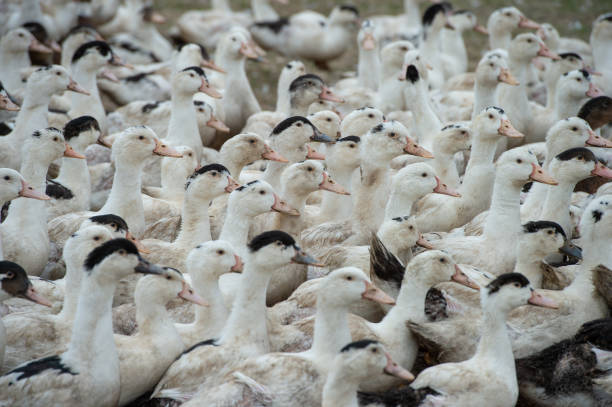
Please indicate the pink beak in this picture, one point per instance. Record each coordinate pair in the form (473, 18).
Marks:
(602, 171)
(545, 52)
(327, 94)
(210, 91)
(394, 369)
(231, 184)
(538, 299)
(283, 207)
(329, 184)
(444, 189)
(272, 155)
(33, 296)
(238, 266)
(598, 141)
(29, 192)
(165, 150)
(593, 91)
(75, 87)
(314, 154)
(69, 152)
(188, 294)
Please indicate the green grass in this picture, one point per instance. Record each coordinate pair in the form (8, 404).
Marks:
(570, 17)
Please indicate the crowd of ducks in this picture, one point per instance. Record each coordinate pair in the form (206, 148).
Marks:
(413, 235)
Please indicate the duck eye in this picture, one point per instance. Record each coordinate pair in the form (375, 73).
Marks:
(190, 155)
(279, 243)
(578, 80)
(463, 132)
(7, 178)
(214, 173)
(299, 124)
(517, 285)
(490, 116)
(328, 119)
(252, 141)
(519, 161)
(58, 73)
(410, 227)
(220, 252)
(168, 278)
(404, 48)
(374, 350)
(424, 174)
(10, 274)
(112, 225)
(96, 238)
(529, 40)
(349, 278)
(21, 35)
(191, 75)
(352, 145)
(55, 139)
(122, 252)
(491, 64)
(574, 128)
(442, 260)
(371, 116)
(550, 232)
(262, 192)
(140, 137)
(309, 168)
(581, 158)
(392, 135)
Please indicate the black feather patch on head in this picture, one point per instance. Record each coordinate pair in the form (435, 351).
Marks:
(412, 73)
(364, 343)
(195, 69)
(499, 109)
(597, 214)
(270, 237)
(77, 126)
(275, 25)
(44, 68)
(378, 128)
(40, 365)
(81, 28)
(505, 279)
(432, 11)
(97, 255)
(577, 152)
(36, 134)
(285, 124)
(605, 17)
(595, 105)
(120, 224)
(585, 73)
(565, 55)
(16, 285)
(534, 227)
(308, 79)
(150, 107)
(351, 8)
(37, 30)
(248, 184)
(204, 169)
(354, 139)
(57, 191)
(103, 48)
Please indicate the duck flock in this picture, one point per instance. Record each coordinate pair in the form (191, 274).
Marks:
(414, 234)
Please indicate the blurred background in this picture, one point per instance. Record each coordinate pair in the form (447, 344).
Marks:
(572, 18)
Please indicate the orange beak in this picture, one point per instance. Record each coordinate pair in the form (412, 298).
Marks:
(283, 207)
(75, 87)
(545, 52)
(375, 294)
(141, 248)
(421, 241)
(29, 192)
(461, 278)
(314, 154)
(481, 29)
(368, 43)
(539, 175)
(210, 91)
(329, 184)
(231, 184)
(524, 22)
(506, 77)
(444, 189)
(211, 65)
(69, 152)
(414, 149)
(506, 129)
(165, 150)
(602, 171)
(272, 155)
(217, 124)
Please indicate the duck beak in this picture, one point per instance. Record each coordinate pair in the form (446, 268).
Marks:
(145, 267)
(506, 77)
(592, 71)
(188, 294)
(248, 51)
(29, 192)
(7, 104)
(571, 250)
(272, 155)
(217, 124)
(329, 184)
(157, 18)
(481, 29)
(524, 22)
(444, 189)
(594, 91)
(314, 154)
(327, 94)
(368, 43)
(320, 137)
(69, 152)
(211, 65)
(461, 278)
(141, 248)
(538, 299)
(602, 171)
(597, 141)
(209, 90)
(545, 52)
(165, 150)
(421, 241)
(301, 257)
(396, 370)
(104, 142)
(231, 184)
(375, 294)
(108, 74)
(56, 47)
(539, 175)
(116, 61)
(38, 46)
(507, 129)
(238, 266)
(33, 296)
(75, 87)
(413, 148)
(283, 207)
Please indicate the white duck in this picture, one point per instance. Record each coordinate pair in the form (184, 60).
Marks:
(156, 334)
(88, 372)
(34, 335)
(205, 264)
(491, 70)
(245, 332)
(452, 43)
(27, 218)
(502, 22)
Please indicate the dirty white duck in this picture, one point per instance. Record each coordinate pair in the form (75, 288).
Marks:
(206, 263)
(63, 378)
(245, 333)
(339, 290)
(156, 333)
(32, 335)
(129, 151)
(503, 22)
(27, 217)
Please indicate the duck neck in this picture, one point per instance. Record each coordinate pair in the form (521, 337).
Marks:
(32, 115)
(10, 68)
(231, 162)
(262, 10)
(504, 220)
(556, 204)
(73, 279)
(551, 94)
(296, 197)
(338, 391)
(412, 13)
(92, 336)
(480, 169)
(368, 212)
(368, 68)
(34, 170)
(207, 286)
(124, 198)
(596, 251)
(494, 347)
(566, 106)
(444, 166)
(409, 305)
(499, 37)
(427, 123)
(247, 320)
(528, 263)
(331, 330)
(74, 173)
(236, 230)
(195, 223)
(153, 319)
(400, 203)
(338, 207)
(273, 171)
(183, 127)
(87, 79)
(484, 96)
